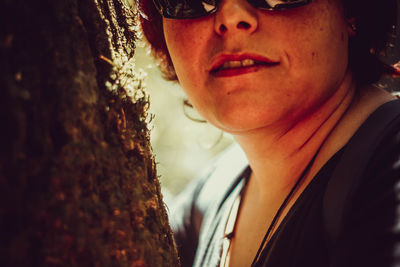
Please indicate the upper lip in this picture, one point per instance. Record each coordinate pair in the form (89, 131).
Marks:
(219, 60)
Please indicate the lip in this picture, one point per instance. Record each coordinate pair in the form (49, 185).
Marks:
(219, 60)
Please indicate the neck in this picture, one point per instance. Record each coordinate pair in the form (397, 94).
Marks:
(278, 154)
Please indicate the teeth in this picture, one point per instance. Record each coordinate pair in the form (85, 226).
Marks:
(238, 63)
(231, 64)
(247, 62)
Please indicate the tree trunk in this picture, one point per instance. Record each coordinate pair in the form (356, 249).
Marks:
(78, 184)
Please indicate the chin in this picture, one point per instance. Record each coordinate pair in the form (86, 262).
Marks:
(239, 121)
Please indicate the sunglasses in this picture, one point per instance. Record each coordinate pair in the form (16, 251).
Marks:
(190, 9)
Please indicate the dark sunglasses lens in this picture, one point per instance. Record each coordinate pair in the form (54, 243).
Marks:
(278, 4)
(185, 9)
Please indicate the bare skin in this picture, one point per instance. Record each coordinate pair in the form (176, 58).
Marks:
(303, 99)
(265, 188)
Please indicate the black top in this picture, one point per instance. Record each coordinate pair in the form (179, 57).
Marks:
(370, 235)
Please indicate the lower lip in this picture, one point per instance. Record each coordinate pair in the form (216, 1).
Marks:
(240, 71)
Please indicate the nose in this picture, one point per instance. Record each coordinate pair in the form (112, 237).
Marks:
(235, 15)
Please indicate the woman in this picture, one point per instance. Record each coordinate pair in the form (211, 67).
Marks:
(292, 82)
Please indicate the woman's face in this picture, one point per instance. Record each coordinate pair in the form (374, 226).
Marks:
(243, 68)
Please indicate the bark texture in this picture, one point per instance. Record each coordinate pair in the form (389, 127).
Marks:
(78, 184)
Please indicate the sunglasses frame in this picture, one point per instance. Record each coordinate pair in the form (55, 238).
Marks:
(279, 7)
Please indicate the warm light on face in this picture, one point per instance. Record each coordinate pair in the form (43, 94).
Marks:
(243, 68)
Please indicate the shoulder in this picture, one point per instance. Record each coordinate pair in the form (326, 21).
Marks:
(194, 206)
(221, 177)
(214, 181)
(370, 232)
(385, 150)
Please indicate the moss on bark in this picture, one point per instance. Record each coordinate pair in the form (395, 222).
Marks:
(78, 183)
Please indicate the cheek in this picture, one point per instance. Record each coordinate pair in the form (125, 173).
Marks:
(175, 43)
(322, 48)
(188, 47)
(185, 43)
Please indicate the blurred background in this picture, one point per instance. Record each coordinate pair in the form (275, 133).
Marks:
(182, 145)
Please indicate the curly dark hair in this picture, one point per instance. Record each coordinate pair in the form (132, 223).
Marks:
(375, 23)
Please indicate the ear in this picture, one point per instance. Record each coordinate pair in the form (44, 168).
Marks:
(351, 26)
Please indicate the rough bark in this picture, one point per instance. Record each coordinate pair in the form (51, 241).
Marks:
(78, 184)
